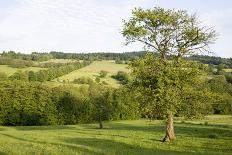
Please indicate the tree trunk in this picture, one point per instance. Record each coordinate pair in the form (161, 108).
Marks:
(100, 122)
(170, 135)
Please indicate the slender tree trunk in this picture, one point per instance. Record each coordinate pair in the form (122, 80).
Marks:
(170, 135)
(100, 122)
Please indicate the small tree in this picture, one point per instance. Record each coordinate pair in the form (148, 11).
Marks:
(167, 84)
(103, 73)
(100, 98)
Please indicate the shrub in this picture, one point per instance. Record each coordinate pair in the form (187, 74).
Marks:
(121, 76)
(83, 80)
(103, 74)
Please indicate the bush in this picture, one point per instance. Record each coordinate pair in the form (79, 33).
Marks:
(97, 79)
(121, 76)
(83, 80)
(103, 74)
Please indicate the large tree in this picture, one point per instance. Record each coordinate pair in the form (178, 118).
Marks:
(169, 86)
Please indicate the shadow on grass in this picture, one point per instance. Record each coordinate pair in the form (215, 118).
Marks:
(107, 146)
(72, 147)
(52, 127)
(3, 153)
(187, 130)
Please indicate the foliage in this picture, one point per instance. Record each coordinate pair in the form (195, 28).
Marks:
(103, 73)
(168, 32)
(33, 103)
(170, 87)
(123, 77)
(83, 80)
(223, 94)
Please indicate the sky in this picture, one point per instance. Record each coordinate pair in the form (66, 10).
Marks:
(94, 25)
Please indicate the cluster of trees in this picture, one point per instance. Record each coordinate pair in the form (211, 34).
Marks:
(83, 80)
(212, 60)
(30, 103)
(46, 74)
(34, 56)
(122, 77)
(90, 81)
(118, 57)
(222, 93)
(17, 63)
(126, 56)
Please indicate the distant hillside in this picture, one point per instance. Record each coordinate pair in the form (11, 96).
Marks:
(119, 57)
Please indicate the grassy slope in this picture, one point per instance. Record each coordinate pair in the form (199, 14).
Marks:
(59, 60)
(94, 69)
(119, 137)
(227, 70)
(10, 70)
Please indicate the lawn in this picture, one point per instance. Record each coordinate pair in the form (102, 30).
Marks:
(93, 70)
(10, 70)
(119, 137)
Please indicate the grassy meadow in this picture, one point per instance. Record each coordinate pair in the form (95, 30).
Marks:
(10, 70)
(228, 70)
(93, 70)
(121, 137)
(59, 61)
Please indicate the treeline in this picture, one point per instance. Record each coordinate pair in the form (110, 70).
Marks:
(126, 56)
(212, 60)
(119, 57)
(33, 103)
(34, 56)
(222, 90)
(48, 74)
(17, 63)
(30, 103)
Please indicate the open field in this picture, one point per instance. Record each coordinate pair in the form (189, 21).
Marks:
(93, 70)
(10, 70)
(227, 70)
(59, 60)
(119, 137)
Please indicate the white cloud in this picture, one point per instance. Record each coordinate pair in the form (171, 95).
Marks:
(67, 25)
(220, 21)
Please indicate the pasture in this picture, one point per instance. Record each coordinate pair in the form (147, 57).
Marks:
(228, 70)
(10, 70)
(58, 61)
(93, 70)
(121, 137)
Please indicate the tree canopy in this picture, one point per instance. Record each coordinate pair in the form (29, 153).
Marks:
(168, 32)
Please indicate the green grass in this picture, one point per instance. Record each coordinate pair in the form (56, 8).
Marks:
(93, 70)
(10, 70)
(59, 60)
(118, 137)
(227, 70)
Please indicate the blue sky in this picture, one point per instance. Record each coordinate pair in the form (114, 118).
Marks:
(94, 25)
